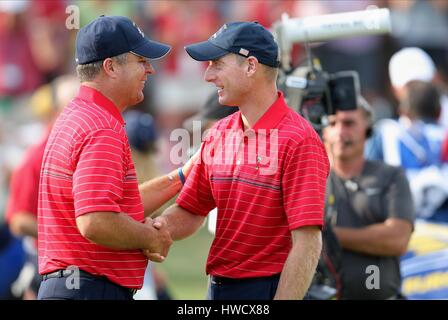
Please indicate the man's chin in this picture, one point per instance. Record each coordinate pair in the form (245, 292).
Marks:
(342, 155)
(138, 99)
(223, 101)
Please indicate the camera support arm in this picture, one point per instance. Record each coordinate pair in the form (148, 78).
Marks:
(326, 27)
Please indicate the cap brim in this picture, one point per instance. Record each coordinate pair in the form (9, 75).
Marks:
(152, 49)
(205, 51)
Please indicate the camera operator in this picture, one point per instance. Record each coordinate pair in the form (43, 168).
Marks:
(370, 208)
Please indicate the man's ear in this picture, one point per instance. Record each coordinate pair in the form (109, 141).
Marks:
(109, 68)
(252, 65)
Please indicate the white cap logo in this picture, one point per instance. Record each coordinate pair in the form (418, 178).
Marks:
(224, 27)
(244, 52)
(139, 31)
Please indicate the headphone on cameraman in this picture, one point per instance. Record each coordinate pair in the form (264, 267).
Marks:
(367, 108)
(368, 113)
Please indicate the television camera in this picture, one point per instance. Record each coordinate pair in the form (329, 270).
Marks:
(312, 91)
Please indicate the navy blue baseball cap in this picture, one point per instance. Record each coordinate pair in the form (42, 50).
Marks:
(107, 37)
(140, 129)
(243, 38)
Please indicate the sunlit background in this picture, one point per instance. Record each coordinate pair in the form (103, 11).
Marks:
(37, 45)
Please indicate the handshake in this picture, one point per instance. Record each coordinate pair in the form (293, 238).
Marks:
(161, 240)
(159, 237)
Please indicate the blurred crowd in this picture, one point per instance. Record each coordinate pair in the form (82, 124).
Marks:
(404, 76)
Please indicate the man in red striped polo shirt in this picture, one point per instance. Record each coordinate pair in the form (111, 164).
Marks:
(264, 168)
(91, 211)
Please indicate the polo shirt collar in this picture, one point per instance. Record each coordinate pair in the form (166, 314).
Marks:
(272, 117)
(92, 95)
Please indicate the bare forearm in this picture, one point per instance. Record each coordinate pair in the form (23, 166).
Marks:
(156, 192)
(115, 230)
(181, 223)
(24, 224)
(300, 265)
(378, 239)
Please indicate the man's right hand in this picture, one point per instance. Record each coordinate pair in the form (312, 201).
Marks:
(161, 241)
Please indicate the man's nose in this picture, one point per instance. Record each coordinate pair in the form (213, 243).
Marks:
(339, 131)
(149, 69)
(209, 75)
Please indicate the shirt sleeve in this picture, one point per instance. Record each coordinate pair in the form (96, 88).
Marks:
(24, 184)
(99, 174)
(24, 190)
(374, 147)
(196, 195)
(305, 173)
(399, 197)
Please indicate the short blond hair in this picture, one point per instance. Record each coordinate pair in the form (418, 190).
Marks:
(270, 72)
(89, 71)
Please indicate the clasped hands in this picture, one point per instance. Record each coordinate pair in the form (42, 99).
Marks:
(161, 242)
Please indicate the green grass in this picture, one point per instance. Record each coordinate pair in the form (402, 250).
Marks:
(185, 266)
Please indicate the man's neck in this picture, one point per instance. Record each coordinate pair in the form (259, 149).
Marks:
(347, 169)
(109, 94)
(256, 106)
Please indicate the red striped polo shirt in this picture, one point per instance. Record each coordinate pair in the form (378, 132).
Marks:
(87, 167)
(264, 182)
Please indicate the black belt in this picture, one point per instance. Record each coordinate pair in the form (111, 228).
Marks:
(58, 274)
(65, 273)
(224, 280)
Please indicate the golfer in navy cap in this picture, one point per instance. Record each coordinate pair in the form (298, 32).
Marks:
(91, 215)
(269, 199)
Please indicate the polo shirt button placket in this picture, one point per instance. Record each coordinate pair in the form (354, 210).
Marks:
(258, 162)
(239, 154)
